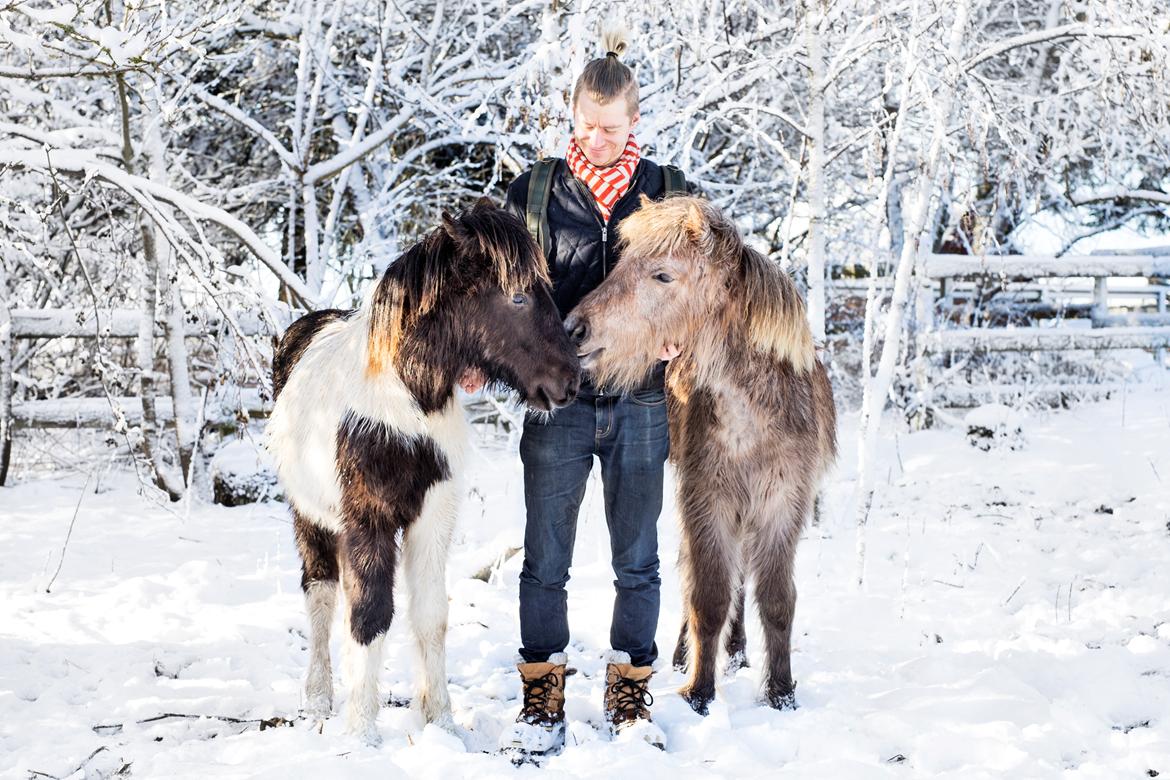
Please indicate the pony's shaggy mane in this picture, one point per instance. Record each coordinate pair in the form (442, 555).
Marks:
(479, 248)
(768, 303)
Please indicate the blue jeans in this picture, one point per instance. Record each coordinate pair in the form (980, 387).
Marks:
(629, 435)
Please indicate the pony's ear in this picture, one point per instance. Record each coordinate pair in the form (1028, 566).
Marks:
(455, 229)
(643, 201)
(450, 224)
(694, 223)
(484, 204)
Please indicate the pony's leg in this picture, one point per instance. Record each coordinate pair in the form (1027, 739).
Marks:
(318, 548)
(369, 553)
(425, 565)
(681, 648)
(710, 556)
(772, 559)
(736, 642)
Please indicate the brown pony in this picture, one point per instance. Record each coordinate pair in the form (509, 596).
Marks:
(752, 421)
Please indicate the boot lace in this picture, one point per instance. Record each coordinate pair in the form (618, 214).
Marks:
(536, 693)
(631, 699)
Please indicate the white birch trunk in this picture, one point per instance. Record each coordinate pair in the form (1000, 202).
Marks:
(813, 17)
(879, 386)
(299, 150)
(889, 199)
(315, 260)
(6, 342)
(154, 149)
(149, 306)
(314, 263)
(373, 83)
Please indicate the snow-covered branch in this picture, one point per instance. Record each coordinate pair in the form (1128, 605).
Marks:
(83, 163)
(221, 105)
(325, 169)
(1054, 34)
(1119, 193)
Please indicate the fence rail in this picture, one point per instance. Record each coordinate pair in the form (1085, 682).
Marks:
(1130, 329)
(100, 412)
(1027, 267)
(1046, 339)
(117, 323)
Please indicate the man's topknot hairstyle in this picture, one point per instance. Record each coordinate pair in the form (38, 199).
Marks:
(607, 78)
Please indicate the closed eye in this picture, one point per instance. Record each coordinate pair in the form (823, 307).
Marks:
(664, 277)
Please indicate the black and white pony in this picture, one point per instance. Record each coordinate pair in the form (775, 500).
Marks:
(368, 437)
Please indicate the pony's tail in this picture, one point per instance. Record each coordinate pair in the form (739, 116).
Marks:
(776, 319)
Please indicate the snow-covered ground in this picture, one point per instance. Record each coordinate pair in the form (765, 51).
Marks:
(1015, 623)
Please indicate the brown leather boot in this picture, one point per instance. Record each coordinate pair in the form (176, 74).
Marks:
(540, 726)
(628, 700)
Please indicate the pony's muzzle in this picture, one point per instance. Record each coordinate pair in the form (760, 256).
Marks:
(577, 327)
(557, 391)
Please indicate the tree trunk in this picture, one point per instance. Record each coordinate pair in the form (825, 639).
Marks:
(6, 342)
(150, 292)
(813, 17)
(889, 241)
(172, 301)
(879, 387)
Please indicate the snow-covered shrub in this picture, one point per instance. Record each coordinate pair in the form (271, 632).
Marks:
(995, 425)
(242, 473)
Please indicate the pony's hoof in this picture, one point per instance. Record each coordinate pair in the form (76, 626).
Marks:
(736, 661)
(698, 701)
(318, 708)
(367, 733)
(782, 701)
(446, 722)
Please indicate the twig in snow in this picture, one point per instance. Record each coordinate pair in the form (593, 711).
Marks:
(485, 574)
(950, 584)
(1014, 592)
(975, 561)
(1124, 396)
(35, 773)
(69, 533)
(905, 571)
(263, 723)
(1155, 468)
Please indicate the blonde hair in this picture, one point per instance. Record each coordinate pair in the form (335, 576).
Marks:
(606, 78)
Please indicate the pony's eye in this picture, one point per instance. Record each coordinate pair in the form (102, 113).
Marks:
(519, 299)
(664, 277)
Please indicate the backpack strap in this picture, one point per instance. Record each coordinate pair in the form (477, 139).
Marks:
(536, 212)
(676, 182)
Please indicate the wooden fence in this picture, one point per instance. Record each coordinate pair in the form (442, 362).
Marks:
(26, 324)
(1102, 330)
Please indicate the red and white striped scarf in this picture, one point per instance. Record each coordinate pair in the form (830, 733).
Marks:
(607, 184)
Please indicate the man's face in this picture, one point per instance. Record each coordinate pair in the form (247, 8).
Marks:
(601, 129)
